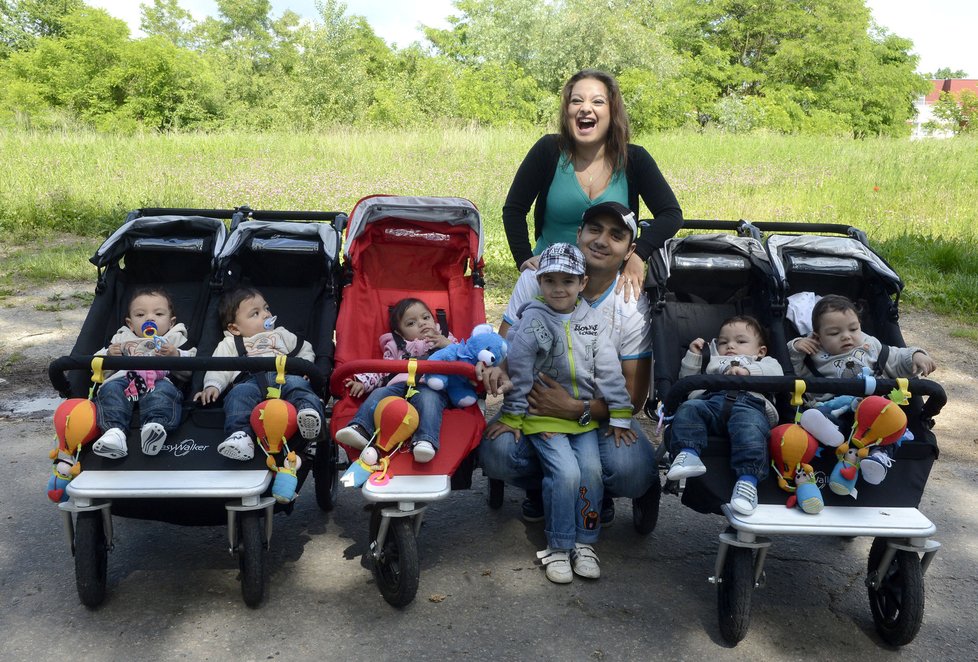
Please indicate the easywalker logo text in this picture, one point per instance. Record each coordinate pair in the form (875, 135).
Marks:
(185, 447)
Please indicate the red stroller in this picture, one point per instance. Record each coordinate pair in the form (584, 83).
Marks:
(429, 248)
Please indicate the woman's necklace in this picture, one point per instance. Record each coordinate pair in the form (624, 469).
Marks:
(588, 175)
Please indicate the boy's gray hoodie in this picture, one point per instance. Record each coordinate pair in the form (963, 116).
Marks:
(575, 351)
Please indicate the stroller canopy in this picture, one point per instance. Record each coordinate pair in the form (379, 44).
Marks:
(175, 233)
(452, 211)
(322, 232)
(779, 244)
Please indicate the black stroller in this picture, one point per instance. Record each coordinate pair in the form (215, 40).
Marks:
(188, 482)
(698, 281)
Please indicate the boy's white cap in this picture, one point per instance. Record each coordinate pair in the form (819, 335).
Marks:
(562, 258)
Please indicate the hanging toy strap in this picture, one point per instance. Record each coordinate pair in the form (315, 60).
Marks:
(796, 399)
(901, 395)
(280, 368)
(98, 375)
(411, 379)
(272, 391)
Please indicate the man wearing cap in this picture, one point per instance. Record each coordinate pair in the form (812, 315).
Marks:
(606, 238)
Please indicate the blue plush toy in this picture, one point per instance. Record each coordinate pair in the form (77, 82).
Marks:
(485, 346)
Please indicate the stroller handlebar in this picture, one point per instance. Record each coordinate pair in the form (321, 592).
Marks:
(293, 366)
(350, 368)
(678, 393)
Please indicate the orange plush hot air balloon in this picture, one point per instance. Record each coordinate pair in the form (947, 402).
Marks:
(274, 422)
(880, 421)
(75, 424)
(791, 446)
(396, 419)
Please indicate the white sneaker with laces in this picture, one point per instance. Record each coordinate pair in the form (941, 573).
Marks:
(423, 452)
(152, 437)
(112, 445)
(874, 467)
(744, 497)
(557, 563)
(686, 465)
(238, 446)
(309, 423)
(585, 561)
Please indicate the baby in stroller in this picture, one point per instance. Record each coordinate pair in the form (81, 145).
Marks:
(150, 329)
(414, 333)
(250, 330)
(745, 417)
(837, 347)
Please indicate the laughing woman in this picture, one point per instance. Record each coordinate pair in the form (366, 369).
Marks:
(590, 161)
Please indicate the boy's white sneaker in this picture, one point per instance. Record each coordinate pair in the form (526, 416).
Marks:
(238, 446)
(112, 444)
(686, 465)
(423, 452)
(585, 561)
(152, 437)
(309, 423)
(557, 563)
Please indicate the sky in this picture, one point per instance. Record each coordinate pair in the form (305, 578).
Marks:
(941, 30)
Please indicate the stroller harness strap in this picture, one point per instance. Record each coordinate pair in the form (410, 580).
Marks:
(260, 375)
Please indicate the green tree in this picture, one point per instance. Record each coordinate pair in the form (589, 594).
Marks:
(551, 40)
(23, 21)
(958, 112)
(819, 60)
(947, 72)
(96, 73)
(167, 19)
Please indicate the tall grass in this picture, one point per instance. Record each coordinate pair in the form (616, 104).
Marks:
(913, 198)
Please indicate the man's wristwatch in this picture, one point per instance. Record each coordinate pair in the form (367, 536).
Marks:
(586, 416)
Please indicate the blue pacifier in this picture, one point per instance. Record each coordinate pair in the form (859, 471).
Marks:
(150, 330)
(270, 322)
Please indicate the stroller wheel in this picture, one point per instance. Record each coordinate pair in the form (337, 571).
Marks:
(734, 593)
(497, 489)
(324, 473)
(397, 567)
(645, 509)
(251, 557)
(897, 601)
(91, 558)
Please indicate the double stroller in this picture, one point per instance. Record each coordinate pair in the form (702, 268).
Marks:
(292, 257)
(728, 268)
(429, 248)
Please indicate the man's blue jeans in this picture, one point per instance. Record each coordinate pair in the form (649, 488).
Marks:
(572, 488)
(245, 396)
(161, 405)
(429, 403)
(747, 427)
(626, 470)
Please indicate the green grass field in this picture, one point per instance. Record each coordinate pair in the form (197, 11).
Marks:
(63, 193)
